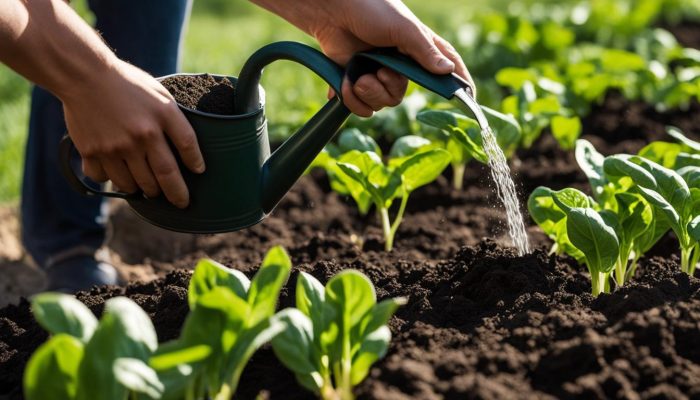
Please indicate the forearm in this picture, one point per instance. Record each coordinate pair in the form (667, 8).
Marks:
(49, 44)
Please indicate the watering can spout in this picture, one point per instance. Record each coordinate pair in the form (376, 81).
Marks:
(293, 157)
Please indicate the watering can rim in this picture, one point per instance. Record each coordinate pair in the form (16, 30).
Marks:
(234, 79)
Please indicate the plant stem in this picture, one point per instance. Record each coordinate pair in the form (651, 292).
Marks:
(619, 272)
(458, 175)
(633, 267)
(386, 228)
(694, 259)
(595, 283)
(685, 259)
(399, 216)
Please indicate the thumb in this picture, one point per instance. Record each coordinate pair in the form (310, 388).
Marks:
(419, 45)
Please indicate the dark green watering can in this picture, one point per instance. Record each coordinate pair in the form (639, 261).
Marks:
(243, 182)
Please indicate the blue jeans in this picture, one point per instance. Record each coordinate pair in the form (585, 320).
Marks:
(55, 218)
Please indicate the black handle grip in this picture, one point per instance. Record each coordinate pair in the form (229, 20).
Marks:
(369, 62)
(76, 180)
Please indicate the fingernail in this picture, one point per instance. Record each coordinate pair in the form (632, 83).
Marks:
(362, 89)
(200, 168)
(445, 62)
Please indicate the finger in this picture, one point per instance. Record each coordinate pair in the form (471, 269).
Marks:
(167, 173)
(119, 174)
(93, 170)
(418, 43)
(183, 137)
(451, 53)
(331, 93)
(141, 172)
(353, 102)
(396, 84)
(373, 93)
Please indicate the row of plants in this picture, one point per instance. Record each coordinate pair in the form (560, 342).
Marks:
(636, 200)
(329, 340)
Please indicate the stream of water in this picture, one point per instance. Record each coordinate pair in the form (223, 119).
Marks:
(500, 173)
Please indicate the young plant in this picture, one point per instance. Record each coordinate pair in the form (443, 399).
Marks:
(670, 194)
(232, 317)
(334, 334)
(461, 137)
(368, 179)
(87, 359)
(578, 230)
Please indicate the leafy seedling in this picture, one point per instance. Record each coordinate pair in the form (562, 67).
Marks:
(335, 333)
(87, 359)
(369, 179)
(669, 193)
(230, 318)
(462, 137)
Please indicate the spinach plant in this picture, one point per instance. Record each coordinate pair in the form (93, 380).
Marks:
(669, 193)
(335, 333)
(579, 230)
(87, 359)
(232, 317)
(369, 180)
(461, 137)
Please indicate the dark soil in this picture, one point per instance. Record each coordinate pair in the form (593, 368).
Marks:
(482, 324)
(687, 33)
(204, 92)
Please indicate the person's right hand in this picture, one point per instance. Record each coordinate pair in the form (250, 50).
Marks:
(119, 123)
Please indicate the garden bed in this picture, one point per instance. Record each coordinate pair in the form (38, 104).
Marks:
(480, 322)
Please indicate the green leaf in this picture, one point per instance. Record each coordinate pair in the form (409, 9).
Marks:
(62, 313)
(543, 210)
(407, 146)
(138, 377)
(294, 345)
(472, 143)
(353, 139)
(52, 370)
(687, 160)
(664, 153)
(694, 228)
(210, 274)
(691, 175)
(569, 198)
(589, 233)
(352, 295)
(423, 168)
(174, 354)
(566, 130)
(514, 78)
(124, 331)
(249, 341)
(267, 283)
(679, 136)
(505, 128)
(372, 348)
(379, 315)
(622, 165)
(591, 163)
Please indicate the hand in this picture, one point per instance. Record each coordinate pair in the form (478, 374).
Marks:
(119, 123)
(344, 27)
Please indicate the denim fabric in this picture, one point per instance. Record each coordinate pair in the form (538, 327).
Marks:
(55, 218)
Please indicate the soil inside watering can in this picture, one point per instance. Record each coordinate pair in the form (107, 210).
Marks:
(204, 92)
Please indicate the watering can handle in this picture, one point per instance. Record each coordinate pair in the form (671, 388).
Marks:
(291, 159)
(368, 62)
(77, 180)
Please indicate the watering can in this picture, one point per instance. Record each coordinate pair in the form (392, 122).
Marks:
(243, 182)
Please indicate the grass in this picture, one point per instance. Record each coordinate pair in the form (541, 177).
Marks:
(221, 35)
